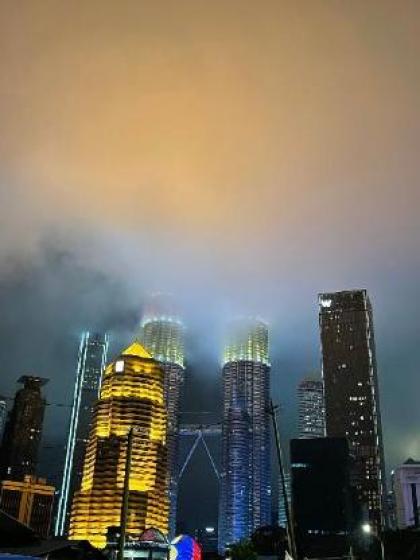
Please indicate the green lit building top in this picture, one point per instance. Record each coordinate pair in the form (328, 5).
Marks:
(247, 341)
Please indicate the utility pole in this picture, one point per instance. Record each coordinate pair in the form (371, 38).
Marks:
(290, 529)
(124, 504)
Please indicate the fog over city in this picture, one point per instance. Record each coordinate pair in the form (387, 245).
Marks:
(243, 158)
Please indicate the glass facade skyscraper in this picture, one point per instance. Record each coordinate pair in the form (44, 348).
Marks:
(91, 361)
(246, 394)
(131, 397)
(311, 409)
(351, 393)
(162, 333)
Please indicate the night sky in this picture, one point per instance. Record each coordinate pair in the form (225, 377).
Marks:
(242, 155)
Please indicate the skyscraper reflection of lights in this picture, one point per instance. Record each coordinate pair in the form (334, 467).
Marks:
(246, 384)
(162, 333)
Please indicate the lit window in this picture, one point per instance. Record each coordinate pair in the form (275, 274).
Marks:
(119, 366)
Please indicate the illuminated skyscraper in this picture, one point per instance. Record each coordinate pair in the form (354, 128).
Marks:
(236, 483)
(351, 392)
(162, 333)
(22, 433)
(311, 408)
(131, 396)
(90, 365)
(246, 379)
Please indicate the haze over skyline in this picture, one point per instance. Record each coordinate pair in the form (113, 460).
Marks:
(243, 156)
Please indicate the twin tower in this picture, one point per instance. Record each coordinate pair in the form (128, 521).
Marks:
(141, 390)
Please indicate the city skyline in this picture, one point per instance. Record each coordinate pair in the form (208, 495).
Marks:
(284, 434)
(243, 157)
(245, 351)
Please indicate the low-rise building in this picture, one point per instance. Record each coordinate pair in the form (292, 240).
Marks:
(407, 494)
(30, 501)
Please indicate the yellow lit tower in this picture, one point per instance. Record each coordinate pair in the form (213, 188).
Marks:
(131, 396)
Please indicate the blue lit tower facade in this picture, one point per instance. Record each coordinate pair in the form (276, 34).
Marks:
(246, 386)
(91, 362)
(163, 333)
(236, 495)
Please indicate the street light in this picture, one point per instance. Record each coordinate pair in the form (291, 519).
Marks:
(366, 528)
(367, 532)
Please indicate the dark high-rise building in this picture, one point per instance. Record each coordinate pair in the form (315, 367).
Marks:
(90, 365)
(407, 494)
(311, 408)
(207, 539)
(351, 392)
(3, 416)
(130, 408)
(162, 333)
(246, 380)
(30, 501)
(321, 495)
(22, 433)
